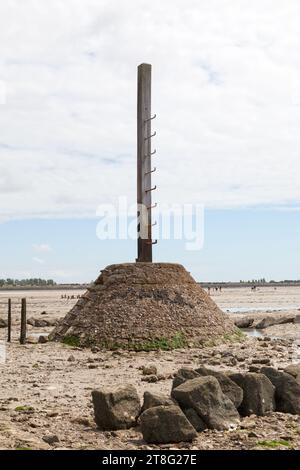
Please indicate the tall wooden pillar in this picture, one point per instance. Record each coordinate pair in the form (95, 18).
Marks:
(144, 169)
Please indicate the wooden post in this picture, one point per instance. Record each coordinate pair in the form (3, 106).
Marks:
(9, 321)
(23, 322)
(144, 198)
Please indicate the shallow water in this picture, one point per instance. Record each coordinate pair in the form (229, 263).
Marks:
(253, 332)
(267, 309)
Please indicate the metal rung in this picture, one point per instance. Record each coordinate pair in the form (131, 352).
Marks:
(152, 189)
(152, 243)
(150, 119)
(152, 171)
(150, 136)
(152, 207)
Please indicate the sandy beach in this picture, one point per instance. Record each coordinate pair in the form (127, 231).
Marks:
(46, 388)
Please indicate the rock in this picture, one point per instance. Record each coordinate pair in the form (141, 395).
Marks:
(150, 379)
(261, 360)
(244, 322)
(195, 419)
(166, 424)
(43, 339)
(32, 340)
(151, 400)
(38, 323)
(258, 393)
(297, 319)
(287, 390)
(270, 321)
(254, 368)
(116, 409)
(183, 375)
(3, 323)
(205, 396)
(229, 388)
(51, 439)
(149, 370)
(71, 358)
(294, 371)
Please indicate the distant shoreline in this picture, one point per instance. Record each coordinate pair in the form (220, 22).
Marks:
(205, 285)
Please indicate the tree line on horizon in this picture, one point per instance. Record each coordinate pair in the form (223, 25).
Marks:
(26, 282)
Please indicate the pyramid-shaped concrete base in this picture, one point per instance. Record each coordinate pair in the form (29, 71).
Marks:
(144, 306)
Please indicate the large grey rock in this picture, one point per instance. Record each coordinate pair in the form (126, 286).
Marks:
(116, 409)
(195, 419)
(166, 424)
(270, 321)
(287, 390)
(259, 393)
(205, 396)
(152, 399)
(38, 323)
(294, 371)
(183, 375)
(228, 386)
(244, 322)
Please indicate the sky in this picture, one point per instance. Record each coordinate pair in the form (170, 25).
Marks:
(226, 78)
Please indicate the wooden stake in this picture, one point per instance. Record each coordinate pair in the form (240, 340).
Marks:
(23, 322)
(9, 321)
(144, 197)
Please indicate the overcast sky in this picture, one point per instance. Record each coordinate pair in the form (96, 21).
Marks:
(226, 77)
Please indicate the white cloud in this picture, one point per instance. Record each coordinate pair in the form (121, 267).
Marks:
(226, 80)
(42, 248)
(38, 260)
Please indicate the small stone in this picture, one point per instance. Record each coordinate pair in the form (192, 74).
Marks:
(3, 323)
(51, 439)
(149, 370)
(43, 339)
(71, 358)
(150, 378)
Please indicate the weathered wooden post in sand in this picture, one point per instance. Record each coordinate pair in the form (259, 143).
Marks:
(9, 321)
(144, 167)
(23, 322)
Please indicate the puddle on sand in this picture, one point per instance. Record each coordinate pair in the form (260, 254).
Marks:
(253, 332)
